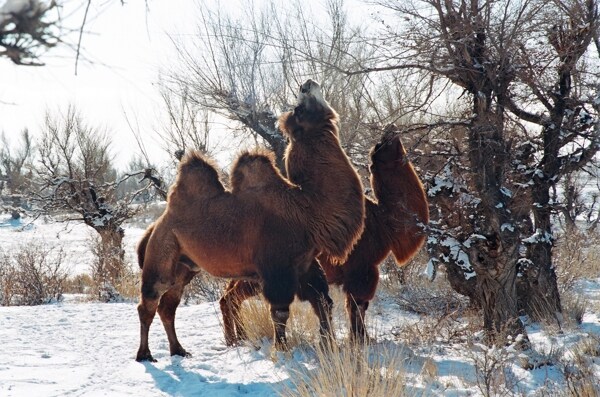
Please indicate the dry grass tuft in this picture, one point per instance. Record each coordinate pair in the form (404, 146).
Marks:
(574, 306)
(456, 327)
(579, 372)
(351, 370)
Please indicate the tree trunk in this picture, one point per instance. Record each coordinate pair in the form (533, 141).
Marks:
(538, 290)
(496, 286)
(111, 254)
(494, 257)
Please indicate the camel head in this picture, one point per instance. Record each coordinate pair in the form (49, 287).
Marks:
(254, 170)
(389, 152)
(310, 113)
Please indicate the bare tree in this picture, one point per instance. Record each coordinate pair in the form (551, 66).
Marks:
(189, 125)
(13, 166)
(228, 73)
(15, 173)
(79, 183)
(248, 69)
(517, 63)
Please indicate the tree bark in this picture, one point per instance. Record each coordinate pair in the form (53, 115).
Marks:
(538, 289)
(494, 257)
(111, 254)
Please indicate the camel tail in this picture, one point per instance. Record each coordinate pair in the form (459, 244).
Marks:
(141, 248)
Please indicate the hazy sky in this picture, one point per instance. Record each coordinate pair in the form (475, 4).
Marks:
(123, 50)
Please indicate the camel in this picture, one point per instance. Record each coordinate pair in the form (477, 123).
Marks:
(394, 222)
(266, 229)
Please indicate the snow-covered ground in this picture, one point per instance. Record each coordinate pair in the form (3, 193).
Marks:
(79, 348)
(75, 237)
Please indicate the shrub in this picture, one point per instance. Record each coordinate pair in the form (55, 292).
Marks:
(32, 275)
(577, 257)
(79, 284)
(204, 288)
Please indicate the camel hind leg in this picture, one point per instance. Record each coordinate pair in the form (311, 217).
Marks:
(357, 309)
(315, 289)
(168, 306)
(156, 274)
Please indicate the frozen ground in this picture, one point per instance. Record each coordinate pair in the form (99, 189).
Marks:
(78, 348)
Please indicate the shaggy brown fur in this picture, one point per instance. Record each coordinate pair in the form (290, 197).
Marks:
(394, 223)
(265, 229)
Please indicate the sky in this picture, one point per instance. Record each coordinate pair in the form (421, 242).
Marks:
(123, 49)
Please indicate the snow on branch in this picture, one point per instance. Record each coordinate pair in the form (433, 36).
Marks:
(25, 30)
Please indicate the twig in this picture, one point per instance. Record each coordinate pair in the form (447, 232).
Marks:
(87, 8)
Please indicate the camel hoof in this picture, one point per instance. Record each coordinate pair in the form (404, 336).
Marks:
(181, 352)
(141, 357)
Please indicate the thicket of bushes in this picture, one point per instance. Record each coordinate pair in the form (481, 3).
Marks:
(32, 275)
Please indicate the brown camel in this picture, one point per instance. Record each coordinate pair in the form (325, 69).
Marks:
(394, 222)
(269, 232)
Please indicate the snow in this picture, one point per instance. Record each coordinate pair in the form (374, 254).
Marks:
(507, 226)
(82, 348)
(75, 237)
(89, 349)
(539, 237)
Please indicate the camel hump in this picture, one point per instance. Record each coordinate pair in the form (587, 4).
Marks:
(255, 169)
(196, 175)
(193, 160)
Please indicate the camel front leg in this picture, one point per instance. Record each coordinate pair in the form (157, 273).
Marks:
(279, 287)
(166, 310)
(313, 288)
(280, 316)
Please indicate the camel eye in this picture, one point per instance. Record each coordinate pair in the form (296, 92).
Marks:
(299, 110)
